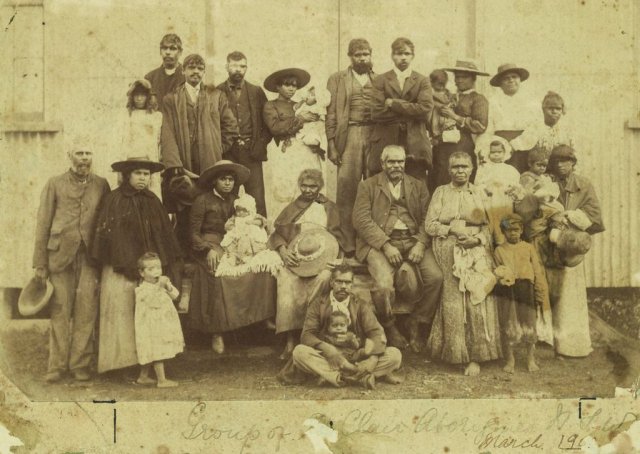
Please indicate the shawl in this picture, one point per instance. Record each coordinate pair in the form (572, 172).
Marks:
(130, 223)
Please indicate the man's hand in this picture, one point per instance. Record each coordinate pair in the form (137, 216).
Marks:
(392, 254)
(388, 102)
(41, 274)
(416, 253)
(213, 257)
(307, 116)
(332, 153)
(288, 257)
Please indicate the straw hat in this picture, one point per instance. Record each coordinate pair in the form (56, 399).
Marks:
(313, 248)
(141, 162)
(508, 68)
(34, 297)
(223, 166)
(466, 66)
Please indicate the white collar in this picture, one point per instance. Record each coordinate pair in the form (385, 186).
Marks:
(466, 92)
(193, 91)
(216, 193)
(402, 75)
(170, 72)
(340, 306)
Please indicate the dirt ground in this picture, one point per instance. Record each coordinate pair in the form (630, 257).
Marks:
(247, 371)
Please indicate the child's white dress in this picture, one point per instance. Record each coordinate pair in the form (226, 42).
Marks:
(158, 331)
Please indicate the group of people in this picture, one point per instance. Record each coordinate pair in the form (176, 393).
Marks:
(466, 212)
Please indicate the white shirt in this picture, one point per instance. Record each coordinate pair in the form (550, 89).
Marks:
(340, 306)
(362, 79)
(402, 76)
(171, 71)
(315, 214)
(193, 92)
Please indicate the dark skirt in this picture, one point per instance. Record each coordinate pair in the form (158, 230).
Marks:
(220, 304)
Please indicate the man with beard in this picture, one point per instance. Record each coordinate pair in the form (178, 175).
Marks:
(348, 126)
(401, 107)
(247, 102)
(388, 216)
(65, 225)
(198, 127)
(169, 75)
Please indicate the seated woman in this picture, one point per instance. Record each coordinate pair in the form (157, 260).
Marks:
(131, 222)
(221, 304)
(310, 210)
(466, 328)
(288, 154)
(567, 285)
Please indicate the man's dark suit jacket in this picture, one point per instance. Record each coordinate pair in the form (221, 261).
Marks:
(411, 109)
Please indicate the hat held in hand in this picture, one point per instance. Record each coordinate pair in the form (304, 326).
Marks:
(408, 283)
(34, 296)
(313, 248)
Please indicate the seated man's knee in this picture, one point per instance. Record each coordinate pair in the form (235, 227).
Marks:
(394, 356)
(300, 353)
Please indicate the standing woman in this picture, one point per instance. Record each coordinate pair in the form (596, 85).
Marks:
(567, 285)
(288, 156)
(465, 329)
(139, 131)
(131, 222)
(471, 114)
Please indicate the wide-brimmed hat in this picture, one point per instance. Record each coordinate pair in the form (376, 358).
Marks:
(140, 162)
(222, 166)
(34, 296)
(466, 66)
(302, 76)
(140, 83)
(408, 283)
(314, 248)
(508, 68)
(572, 245)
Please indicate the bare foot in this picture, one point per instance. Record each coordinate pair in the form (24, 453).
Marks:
(395, 338)
(391, 378)
(509, 367)
(145, 381)
(286, 353)
(167, 384)
(472, 370)
(532, 366)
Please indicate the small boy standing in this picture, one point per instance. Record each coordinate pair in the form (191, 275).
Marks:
(517, 302)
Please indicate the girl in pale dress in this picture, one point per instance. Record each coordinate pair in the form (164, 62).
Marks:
(158, 331)
(139, 130)
(288, 154)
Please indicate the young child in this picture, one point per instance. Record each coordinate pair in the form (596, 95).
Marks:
(157, 326)
(495, 178)
(358, 358)
(553, 133)
(442, 98)
(245, 242)
(313, 133)
(517, 299)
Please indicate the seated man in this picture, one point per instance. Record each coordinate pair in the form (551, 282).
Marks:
(320, 358)
(388, 217)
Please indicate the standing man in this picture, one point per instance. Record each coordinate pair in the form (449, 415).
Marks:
(198, 127)
(247, 101)
(65, 225)
(348, 125)
(402, 105)
(389, 216)
(169, 75)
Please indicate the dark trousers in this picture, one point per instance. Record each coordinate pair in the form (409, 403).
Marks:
(254, 186)
(517, 309)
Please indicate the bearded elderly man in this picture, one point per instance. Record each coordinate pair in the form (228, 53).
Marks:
(65, 225)
(348, 126)
(389, 216)
(317, 357)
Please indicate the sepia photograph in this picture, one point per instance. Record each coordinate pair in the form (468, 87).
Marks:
(333, 227)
